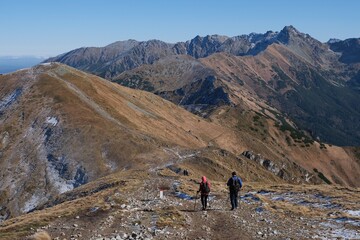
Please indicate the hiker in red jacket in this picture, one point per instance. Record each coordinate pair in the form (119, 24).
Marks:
(204, 189)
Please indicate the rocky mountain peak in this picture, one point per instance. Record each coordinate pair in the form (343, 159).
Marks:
(333, 40)
(270, 34)
(123, 44)
(154, 42)
(216, 38)
(200, 47)
(288, 33)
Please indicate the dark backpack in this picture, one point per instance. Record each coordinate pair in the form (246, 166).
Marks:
(236, 185)
(206, 188)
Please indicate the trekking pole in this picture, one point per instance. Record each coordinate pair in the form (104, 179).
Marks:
(195, 201)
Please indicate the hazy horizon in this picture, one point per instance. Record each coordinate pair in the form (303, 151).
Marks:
(12, 63)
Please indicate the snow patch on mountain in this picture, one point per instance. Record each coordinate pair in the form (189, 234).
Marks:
(355, 213)
(9, 99)
(31, 203)
(333, 40)
(336, 231)
(58, 182)
(52, 120)
(45, 64)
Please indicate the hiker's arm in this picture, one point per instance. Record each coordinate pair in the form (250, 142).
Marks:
(240, 182)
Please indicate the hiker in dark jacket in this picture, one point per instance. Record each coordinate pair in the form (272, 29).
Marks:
(204, 189)
(235, 184)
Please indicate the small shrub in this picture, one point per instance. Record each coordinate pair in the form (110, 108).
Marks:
(322, 176)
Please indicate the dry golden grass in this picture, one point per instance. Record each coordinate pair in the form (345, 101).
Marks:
(166, 172)
(347, 198)
(40, 236)
(170, 217)
(287, 208)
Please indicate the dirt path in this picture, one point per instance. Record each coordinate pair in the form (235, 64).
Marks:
(140, 213)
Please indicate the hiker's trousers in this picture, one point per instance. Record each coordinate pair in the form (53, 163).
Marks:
(204, 200)
(234, 199)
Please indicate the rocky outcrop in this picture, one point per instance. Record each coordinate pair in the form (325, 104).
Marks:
(268, 164)
(289, 172)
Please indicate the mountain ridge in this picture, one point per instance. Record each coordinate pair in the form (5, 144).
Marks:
(294, 62)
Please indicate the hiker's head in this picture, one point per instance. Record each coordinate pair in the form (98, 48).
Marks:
(233, 173)
(203, 179)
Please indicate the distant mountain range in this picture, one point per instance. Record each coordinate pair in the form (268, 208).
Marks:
(316, 84)
(11, 63)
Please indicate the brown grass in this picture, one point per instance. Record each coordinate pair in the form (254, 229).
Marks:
(40, 236)
(170, 217)
(287, 208)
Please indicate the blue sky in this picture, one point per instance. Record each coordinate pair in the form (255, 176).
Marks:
(49, 27)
